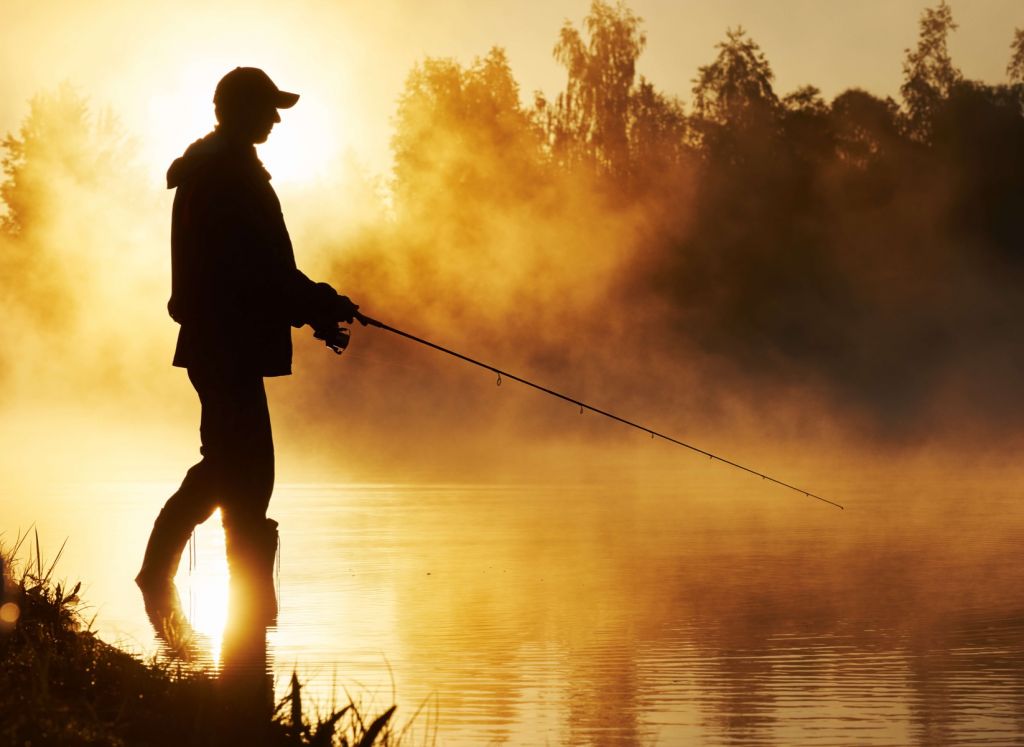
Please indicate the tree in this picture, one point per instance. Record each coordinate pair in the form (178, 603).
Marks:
(806, 124)
(867, 129)
(656, 131)
(736, 111)
(736, 88)
(55, 166)
(590, 119)
(805, 100)
(53, 141)
(461, 134)
(929, 73)
(978, 135)
(1015, 69)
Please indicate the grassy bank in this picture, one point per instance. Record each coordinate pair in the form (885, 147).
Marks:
(61, 685)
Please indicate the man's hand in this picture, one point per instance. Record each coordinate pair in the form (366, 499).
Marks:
(344, 309)
(334, 336)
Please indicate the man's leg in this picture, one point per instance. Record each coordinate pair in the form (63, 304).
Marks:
(191, 505)
(246, 481)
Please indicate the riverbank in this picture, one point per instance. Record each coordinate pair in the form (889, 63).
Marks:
(61, 685)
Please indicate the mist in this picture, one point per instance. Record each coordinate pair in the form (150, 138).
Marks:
(757, 269)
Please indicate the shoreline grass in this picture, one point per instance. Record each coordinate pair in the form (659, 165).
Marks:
(61, 685)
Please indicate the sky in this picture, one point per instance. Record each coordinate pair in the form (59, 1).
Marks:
(155, 64)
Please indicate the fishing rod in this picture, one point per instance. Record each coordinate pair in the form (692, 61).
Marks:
(339, 344)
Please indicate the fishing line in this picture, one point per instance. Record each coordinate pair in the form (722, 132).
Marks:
(368, 321)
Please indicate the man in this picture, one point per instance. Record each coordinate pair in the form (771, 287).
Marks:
(235, 291)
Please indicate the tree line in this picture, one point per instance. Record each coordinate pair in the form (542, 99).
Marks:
(870, 245)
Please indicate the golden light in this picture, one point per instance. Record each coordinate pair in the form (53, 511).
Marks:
(203, 579)
(178, 112)
(9, 613)
(302, 147)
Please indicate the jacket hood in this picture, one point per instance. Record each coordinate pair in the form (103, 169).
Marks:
(194, 157)
(212, 147)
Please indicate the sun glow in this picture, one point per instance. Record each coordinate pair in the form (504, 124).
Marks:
(302, 148)
(203, 579)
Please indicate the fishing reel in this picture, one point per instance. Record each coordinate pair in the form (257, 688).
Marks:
(336, 337)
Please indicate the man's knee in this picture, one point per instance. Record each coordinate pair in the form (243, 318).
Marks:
(194, 501)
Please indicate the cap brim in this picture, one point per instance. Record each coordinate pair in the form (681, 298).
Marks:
(285, 100)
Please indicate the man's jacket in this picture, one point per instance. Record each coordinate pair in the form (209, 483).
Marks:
(235, 288)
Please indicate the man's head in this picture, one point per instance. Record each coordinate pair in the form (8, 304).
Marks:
(246, 102)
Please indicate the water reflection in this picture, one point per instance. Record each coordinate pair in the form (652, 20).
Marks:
(171, 625)
(630, 615)
(246, 682)
(245, 688)
(782, 630)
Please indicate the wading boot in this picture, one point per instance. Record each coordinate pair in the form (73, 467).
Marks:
(163, 553)
(251, 561)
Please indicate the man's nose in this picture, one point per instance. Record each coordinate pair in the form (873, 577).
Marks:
(277, 116)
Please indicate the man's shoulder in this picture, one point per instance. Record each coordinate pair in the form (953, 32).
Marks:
(210, 161)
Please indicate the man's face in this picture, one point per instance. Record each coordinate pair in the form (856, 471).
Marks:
(264, 118)
(251, 122)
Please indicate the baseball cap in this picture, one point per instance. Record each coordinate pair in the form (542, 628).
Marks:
(250, 84)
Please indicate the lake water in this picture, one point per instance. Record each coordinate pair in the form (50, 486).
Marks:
(728, 613)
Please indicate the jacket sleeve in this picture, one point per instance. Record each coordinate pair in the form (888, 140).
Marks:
(253, 261)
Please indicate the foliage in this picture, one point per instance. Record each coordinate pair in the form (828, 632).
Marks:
(1015, 68)
(657, 133)
(867, 129)
(591, 117)
(58, 142)
(463, 132)
(930, 74)
(736, 89)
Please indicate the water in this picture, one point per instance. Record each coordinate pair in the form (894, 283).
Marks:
(664, 613)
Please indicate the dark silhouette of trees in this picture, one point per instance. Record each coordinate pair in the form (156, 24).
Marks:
(606, 121)
(978, 136)
(867, 129)
(929, 72)
(736, 89)
(658, 136)
(1015, 68)
(736, 110)
(590, 120)
(860, 244)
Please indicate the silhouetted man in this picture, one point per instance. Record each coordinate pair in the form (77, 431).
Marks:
(235, 291)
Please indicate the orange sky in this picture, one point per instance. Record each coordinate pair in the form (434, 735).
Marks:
(155, 64)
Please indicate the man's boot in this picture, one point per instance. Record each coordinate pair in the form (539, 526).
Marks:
(163, 553)
(252, 557)
(190, 506)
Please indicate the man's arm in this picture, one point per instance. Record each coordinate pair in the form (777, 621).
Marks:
(258, 264)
